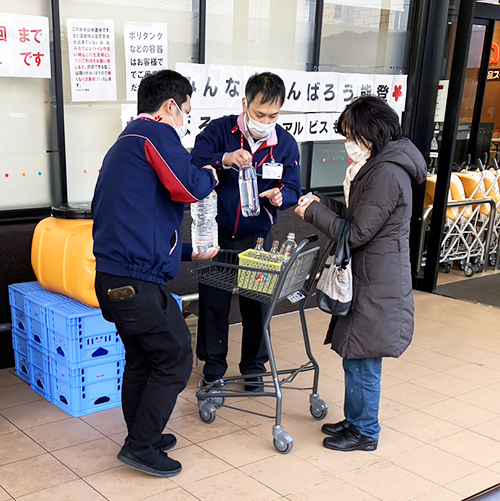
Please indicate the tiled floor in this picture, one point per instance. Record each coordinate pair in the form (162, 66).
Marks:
(440, 441)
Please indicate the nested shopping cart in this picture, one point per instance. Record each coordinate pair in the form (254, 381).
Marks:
(266, 282)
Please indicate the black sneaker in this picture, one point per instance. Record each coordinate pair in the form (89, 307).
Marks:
(334, 428)
(151, 460)
(350, 439)
(167, 442)
(254, 384)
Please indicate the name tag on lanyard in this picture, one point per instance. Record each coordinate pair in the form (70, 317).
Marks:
(272, 170)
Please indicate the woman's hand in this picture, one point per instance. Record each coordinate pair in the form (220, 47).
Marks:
(308, 198)
(300, 210)
(304, 202)
(202, 256)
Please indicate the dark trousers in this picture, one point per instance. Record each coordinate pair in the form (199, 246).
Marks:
(157, 352)
(213, 324)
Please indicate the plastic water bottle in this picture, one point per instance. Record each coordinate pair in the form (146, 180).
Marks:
(275, 251)
(249, 191)
(288, 246)
(204, 231)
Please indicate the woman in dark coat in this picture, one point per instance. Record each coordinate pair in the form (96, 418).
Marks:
(378, 193)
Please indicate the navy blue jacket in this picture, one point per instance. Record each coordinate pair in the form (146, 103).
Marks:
(224, 136)
(138, 206)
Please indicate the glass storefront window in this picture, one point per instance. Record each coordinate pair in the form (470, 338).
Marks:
(358, 36)
(29, 168)
(91, 128)
(265, 33)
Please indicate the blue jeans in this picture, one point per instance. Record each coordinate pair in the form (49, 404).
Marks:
(362, 394)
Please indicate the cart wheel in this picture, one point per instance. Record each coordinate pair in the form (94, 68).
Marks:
(217, 401)
(447, 267)
(468, 270)
(207, 412)
(284, 443)
(318, 412)
(493, 259)
(479, 267)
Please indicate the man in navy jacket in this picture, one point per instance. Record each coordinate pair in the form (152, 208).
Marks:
(145, 180)
(228, 143)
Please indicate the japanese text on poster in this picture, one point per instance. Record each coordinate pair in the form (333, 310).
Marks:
(24, 46)
(91, 45)
(313, 100)
(145, 53)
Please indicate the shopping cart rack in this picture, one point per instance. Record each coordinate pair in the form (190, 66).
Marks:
(268, 283)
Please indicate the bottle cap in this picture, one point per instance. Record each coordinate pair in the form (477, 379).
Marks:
(291, 236)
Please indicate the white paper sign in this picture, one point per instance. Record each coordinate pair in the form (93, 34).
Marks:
(24, 46)
(91, 46)
(318, 126)
(231, 79)
(296, 88)
(366, 85)
(195, 74)
(128, 114)
(397, 98)
(295, 125)
(349, 91)
(146, 52)
(383, 85)
(441, 99)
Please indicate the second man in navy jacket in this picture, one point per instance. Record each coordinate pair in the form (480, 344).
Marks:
(228, 143)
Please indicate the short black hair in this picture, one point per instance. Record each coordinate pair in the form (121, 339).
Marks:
(155, 89)
(369, 119)
(270, 85)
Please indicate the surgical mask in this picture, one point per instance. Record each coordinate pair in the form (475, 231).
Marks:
(354, 150)
(180, 129)
(259, 130)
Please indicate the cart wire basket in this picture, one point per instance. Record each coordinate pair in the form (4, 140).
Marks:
(249, 274)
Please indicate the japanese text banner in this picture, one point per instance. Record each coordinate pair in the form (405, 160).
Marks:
(24, 46)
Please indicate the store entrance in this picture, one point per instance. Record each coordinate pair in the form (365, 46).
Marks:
(471, 235)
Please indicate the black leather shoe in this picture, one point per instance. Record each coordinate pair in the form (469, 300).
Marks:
(254, 384)
(334, 428)
(350, 440)
(151, 460)
(167, 442)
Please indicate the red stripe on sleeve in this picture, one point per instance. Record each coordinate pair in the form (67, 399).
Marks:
(172, 183)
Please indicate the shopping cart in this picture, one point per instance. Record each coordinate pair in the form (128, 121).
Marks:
(266, 283)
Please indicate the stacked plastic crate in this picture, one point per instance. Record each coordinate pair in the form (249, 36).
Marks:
(66, 350)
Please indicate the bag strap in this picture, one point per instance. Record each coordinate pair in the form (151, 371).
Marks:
(342, 250)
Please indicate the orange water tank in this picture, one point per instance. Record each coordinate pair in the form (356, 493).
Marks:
(61, 253)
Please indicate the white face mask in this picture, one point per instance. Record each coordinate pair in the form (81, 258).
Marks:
(259, 130)
(180, 129)
(354, 150)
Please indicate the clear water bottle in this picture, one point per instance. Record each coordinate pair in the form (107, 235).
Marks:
(204, 230)
(259, 245)
(288, 246)
(275, 251)
(249, 191)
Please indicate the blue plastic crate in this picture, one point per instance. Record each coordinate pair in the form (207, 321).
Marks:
(87, 372)
(36, 309)
(19, 342)
(17, 293)
(19, 320)
(41, 382)
(23, 367)
(74, 319)
(81, 400)
(38, 357)
(85, 348)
